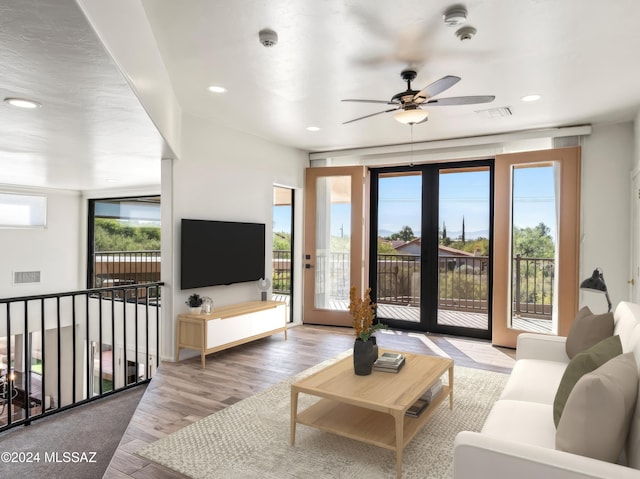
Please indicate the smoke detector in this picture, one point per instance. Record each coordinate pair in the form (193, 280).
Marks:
(268, 37)
(455, 15)
(466, 33)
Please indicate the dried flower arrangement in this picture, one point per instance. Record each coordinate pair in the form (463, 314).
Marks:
(363, 312)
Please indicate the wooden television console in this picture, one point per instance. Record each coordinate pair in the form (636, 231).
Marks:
(229, 326)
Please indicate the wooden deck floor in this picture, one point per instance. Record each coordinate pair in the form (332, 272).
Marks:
(465, 319)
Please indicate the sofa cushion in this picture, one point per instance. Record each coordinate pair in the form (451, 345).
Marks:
(626, 317)
(587, 330)
(583, 363)
(534, 380)
(633, 440)
(596, 416)
(521, 422)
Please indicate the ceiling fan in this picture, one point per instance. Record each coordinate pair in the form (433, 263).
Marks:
(407, 103)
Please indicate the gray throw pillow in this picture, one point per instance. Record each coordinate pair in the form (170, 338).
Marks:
(597, 415)
(581, 364)
(588, 329)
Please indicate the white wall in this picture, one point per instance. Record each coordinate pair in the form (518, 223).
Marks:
(53, 250)
(636, 149)
(123, 28)
(224, 174)
(607, 162)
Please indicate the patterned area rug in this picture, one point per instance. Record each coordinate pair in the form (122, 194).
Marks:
(250, 439)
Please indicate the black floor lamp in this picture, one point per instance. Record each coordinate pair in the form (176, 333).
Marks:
(596, 284)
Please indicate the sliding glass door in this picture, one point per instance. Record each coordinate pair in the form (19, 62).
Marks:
(430, 261)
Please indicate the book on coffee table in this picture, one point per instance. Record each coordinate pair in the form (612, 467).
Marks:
(389, 362)
(426, 399)
(417, 407)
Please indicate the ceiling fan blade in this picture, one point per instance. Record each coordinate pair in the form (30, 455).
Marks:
(435, 88)
(385, 102)
(367, 116)
(460, 100)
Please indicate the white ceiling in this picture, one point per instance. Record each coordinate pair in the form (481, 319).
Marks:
(91, 132)
(580, 55)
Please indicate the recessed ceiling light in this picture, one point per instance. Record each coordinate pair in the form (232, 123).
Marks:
(534, 97)
(217, 89)
(313, 128)
(22, 103)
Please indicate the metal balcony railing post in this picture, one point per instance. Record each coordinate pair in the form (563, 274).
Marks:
(26, 365)
(517, 288)
(11, 383)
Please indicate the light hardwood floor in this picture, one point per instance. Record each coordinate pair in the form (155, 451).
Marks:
(182, 393)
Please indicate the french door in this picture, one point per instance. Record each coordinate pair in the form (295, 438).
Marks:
(335, 242)
(485, 248)
(431, 247)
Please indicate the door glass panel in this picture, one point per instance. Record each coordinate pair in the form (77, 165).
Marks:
(463, 248)
(399, 246)
(333, 243)
(533, 244)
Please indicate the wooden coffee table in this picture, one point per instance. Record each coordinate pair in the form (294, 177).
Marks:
(371, 408)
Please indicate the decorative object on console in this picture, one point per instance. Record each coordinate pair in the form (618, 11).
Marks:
(596, 284)
(207, 305)
(195, 303)
(263, 286)
(365, 350)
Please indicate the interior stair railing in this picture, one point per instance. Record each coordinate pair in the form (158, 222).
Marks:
(61, 350)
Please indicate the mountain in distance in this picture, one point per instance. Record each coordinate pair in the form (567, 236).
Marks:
(469, 235)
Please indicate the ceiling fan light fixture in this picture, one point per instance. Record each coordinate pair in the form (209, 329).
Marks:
(409, 117)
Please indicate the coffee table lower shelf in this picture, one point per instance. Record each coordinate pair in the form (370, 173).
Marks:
(365, 425)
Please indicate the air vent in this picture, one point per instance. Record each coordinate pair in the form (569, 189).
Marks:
(25, 277)
(495, 112)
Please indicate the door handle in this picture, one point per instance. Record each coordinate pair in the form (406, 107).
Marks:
(631, 282)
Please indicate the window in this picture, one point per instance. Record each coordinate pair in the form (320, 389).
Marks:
(124, 241)
(23, 211)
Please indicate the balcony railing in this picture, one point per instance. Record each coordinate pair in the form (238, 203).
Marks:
(281, 280)
(61, 350)
(462, 283)
(121, 268)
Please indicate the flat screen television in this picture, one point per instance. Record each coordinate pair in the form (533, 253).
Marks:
(220, 252)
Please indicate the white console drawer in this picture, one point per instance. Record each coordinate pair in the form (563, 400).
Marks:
(268, 320)
(228, 330)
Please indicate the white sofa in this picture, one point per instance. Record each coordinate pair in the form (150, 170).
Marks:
(518, 436)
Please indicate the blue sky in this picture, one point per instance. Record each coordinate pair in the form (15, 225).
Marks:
(461, 194)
